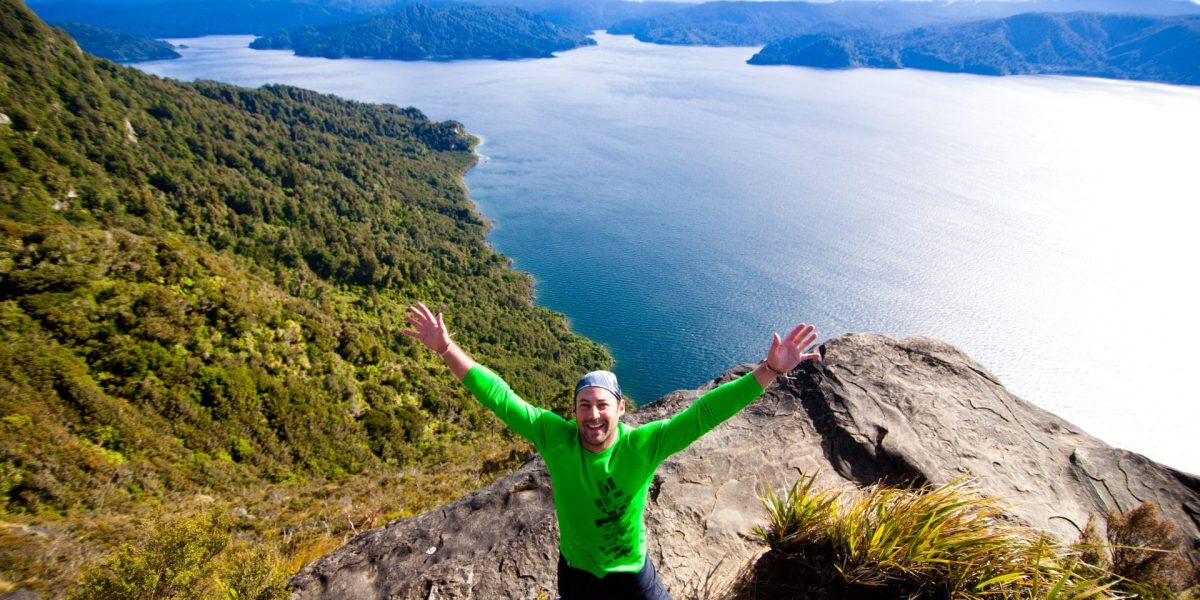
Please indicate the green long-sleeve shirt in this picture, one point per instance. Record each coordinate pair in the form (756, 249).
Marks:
(599, 497)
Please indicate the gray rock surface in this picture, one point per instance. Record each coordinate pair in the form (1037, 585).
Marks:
(875, 409)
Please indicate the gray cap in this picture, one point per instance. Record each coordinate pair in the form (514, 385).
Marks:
(601, 379)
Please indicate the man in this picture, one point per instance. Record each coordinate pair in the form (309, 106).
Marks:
(600, 468)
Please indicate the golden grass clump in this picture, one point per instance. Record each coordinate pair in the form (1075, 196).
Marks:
(881, 542)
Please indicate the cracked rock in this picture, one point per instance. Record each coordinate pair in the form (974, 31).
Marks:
(876, 409)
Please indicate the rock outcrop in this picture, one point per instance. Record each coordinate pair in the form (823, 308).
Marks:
(875, 409)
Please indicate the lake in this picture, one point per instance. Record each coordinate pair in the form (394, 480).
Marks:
(679, 205)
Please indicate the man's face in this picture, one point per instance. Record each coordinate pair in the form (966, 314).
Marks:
(597, 411)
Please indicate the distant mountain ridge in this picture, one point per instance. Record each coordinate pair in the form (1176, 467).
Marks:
(1163, 49)
(115, 45)
(191, 18)
(712, 23)
(756, 23)
(421, 32)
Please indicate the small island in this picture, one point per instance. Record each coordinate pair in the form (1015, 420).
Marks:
(117, 46)
(419, 32)
(1145, 48)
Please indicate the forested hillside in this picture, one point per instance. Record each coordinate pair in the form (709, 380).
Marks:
(420, 32)
(201, 288)
(1144, 48)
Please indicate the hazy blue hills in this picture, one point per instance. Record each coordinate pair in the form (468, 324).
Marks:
(756, 23)
(193, 19)
(587, 15)
(419, 32)
(1145, 48)
(711, 23)
(117, 46)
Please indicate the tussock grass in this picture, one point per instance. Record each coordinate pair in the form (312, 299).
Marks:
(881, 542)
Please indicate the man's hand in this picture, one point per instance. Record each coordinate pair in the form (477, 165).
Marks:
(787, 353)
(428, 328)
(431, 330)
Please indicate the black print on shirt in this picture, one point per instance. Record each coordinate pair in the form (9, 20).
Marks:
(612, 504)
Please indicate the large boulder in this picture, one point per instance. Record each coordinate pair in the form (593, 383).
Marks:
(876, 409)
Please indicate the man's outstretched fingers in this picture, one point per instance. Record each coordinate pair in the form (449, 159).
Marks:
(424, 311)
(415, 317)
(798, 332)
(808, 340)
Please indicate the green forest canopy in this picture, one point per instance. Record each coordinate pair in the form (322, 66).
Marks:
(420, 32)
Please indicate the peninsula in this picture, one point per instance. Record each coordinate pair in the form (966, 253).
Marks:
(420, 32)
(116, 46)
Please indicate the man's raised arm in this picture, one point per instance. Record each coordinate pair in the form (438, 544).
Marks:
(713, 408)
(430, 330)
(528, 421)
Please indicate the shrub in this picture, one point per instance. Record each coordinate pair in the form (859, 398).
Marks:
(1144, 550)
(188, 557)
(175, 561)
(253, 572)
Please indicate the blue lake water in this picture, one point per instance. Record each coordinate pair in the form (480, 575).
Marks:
(679, 205)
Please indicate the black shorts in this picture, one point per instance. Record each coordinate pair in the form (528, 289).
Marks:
(577, 584)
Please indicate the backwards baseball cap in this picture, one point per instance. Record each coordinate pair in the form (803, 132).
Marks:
(601, 379)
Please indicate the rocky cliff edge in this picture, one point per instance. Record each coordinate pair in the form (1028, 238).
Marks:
(908, 411)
